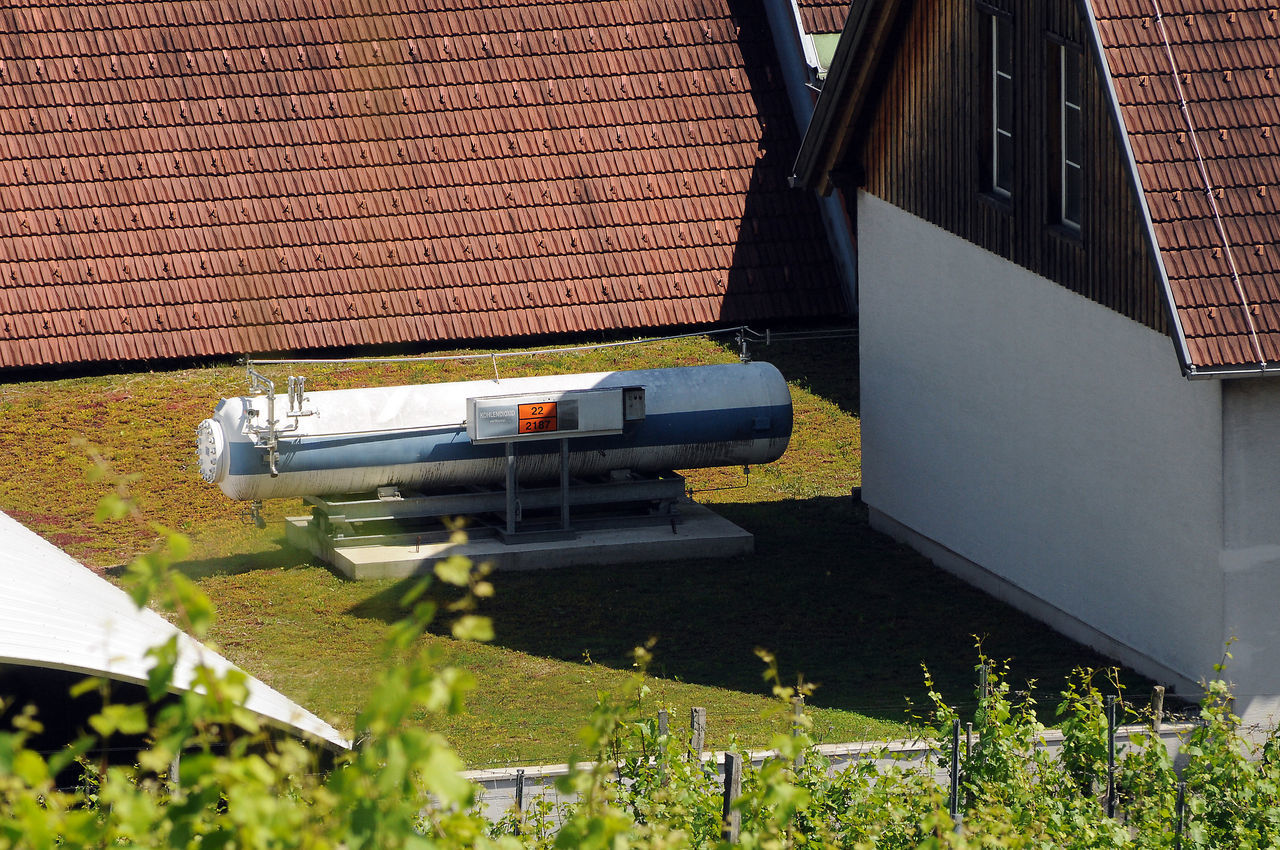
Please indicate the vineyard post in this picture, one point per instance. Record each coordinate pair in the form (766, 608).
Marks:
(953, 802)
(732, 790)
(1180, 813)
(519, 799)
(1111, 756)
(663, 726)
(698, 730)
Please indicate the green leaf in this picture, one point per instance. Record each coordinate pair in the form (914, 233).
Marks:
(140, 580)
(473, 627)
(111, 507)
(455, 570)
(179, 545)
(158, 759)
(194, 602)
(441, 773)
(160, 676)
(85, 686)
(30, 768)
(415, 592)
(246, 720)
(126, 719)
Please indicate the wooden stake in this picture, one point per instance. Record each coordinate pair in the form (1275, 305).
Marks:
(732, 790)
(697, 731)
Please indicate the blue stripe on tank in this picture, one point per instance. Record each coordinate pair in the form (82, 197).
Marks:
(306, 454)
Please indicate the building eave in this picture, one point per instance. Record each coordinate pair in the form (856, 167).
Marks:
(845, 92)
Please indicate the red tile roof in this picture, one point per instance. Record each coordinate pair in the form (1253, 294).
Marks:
(185, 179)
(823, 16)
(1211, 175)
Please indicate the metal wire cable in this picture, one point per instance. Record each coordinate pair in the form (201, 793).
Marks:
(803, 336)
(429, 358)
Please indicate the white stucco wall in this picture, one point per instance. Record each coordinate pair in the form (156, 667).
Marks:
(1043, 438)
(1251, 553)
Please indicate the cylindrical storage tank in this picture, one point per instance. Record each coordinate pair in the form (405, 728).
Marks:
(352, 441)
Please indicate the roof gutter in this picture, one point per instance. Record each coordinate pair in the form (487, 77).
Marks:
(1244, 370)
(1179, 337)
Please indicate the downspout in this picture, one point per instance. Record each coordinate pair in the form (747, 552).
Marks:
(795, 56)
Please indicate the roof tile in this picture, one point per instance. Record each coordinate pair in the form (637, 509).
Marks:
(412, 174)
(1210, 174)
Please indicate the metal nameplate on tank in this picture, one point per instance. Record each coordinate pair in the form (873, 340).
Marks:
(542, 416)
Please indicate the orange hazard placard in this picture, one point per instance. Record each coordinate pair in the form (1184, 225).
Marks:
(536, 418)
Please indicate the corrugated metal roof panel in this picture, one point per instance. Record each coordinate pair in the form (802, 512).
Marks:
(55, 613)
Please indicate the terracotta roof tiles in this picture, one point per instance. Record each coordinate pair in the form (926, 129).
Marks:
(205, 178)
(823, 16)
(1210, 174)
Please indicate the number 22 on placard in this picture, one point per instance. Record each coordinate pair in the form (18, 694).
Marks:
(534, 418)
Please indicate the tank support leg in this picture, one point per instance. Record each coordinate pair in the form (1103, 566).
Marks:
(564, 484)
(511, 488)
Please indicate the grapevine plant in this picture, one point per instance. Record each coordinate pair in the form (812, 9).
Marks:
(210, 776)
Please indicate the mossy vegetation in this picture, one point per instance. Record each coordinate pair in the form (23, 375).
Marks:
(854, 612)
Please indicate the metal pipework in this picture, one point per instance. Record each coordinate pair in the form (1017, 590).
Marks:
(268, 436)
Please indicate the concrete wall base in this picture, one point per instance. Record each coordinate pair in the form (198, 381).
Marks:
(1057, 619)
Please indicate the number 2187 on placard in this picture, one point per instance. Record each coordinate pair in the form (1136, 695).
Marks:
(536, 418)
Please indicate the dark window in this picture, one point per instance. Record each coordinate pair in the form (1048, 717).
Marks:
(1070, 141)
(1001, 83)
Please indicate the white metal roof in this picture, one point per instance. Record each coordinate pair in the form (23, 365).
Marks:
(56, 613)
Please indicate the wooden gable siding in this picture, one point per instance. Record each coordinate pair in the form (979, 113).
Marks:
(922, 150)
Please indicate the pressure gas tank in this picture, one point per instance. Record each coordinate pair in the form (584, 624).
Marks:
(432, 436)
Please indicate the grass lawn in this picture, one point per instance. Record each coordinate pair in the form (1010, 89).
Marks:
(850, 609)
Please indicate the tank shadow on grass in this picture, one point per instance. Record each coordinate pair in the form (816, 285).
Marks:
(281, 556)
(849, 608)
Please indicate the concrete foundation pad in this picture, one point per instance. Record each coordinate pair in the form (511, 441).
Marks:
(698, 533)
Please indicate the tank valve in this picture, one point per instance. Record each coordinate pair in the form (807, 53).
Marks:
(254, 514)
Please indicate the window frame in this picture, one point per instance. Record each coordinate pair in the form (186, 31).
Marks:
(1000, 183)
(1070, 135)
